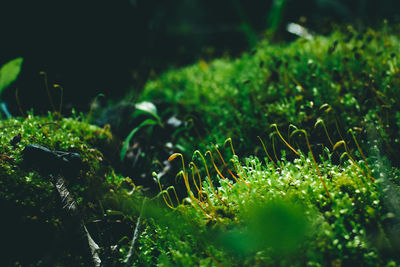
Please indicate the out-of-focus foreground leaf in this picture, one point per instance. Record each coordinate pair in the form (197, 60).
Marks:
(9, 72)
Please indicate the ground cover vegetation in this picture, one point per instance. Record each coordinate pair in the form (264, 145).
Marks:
(335, 99)
(347, 80)
(292, 152)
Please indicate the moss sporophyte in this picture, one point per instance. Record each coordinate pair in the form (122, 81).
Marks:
(319, 188)
(330, 194)
(202, 198)
(322, 194)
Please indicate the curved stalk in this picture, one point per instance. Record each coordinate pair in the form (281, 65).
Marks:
(61, 97)
(362, 154)
(351, 157)
(314, 161)
(230, 141)
(216, 168)
(283, 139)
(273, 148)
(47, 90)
(236, 170)
(225, 165)
(198, 187)
(320, 121)
(209, 177)
(191, 196)
(266, 152)
(162, 192)
(19, 103)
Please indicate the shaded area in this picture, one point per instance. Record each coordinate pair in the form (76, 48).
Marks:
(100, 46)
(94, 47)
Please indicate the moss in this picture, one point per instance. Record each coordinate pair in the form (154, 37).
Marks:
(347, 80)
(33, 220)
(353, 75)
(291, 210)
(66, 135)
(279, 217)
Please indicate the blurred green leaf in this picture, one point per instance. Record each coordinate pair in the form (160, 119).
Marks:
(146, 107)
(276, 14)
(9, 72)
(132, 133)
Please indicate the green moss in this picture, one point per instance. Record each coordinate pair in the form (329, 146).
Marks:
(293, 211)
(280, 217)
(66, 135)
(348, 80)
(355, 73)
(33, 220)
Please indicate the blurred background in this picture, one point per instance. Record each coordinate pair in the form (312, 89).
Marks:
(112, 47)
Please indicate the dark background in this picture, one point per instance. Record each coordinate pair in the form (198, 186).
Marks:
(113, 47)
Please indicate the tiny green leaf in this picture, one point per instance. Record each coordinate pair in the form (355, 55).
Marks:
(132, 133)
(9, 72)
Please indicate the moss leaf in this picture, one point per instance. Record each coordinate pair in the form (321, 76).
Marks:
(132, 133)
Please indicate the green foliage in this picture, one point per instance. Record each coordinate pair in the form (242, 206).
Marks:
(66, 134)
(147, 122)
(146, 108)
(9, 72)
(335, 204)
(279, 217)
(332, 205)
(32, 220)
(347, 79)
(275, 15)
(275, 225)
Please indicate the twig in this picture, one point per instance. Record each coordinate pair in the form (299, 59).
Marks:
(71, 209)
(56, 164)
(129, 258)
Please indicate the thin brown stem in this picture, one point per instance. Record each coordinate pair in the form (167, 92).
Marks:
(19, 103)
(314, 161)
(266, 152)
(283, 139)
(47, 90)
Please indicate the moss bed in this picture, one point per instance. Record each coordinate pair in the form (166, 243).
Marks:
(34, 228)
(285, 156)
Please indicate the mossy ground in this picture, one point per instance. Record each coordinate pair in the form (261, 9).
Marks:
(329, 200)
(349, 79)
(343, 90)
(34, 228)
(279, 216)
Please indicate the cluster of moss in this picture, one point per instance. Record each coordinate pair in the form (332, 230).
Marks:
(353, 75)
(279, 214)
(67, 135)
(34, 223)
(348, 81)
(336, 205)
